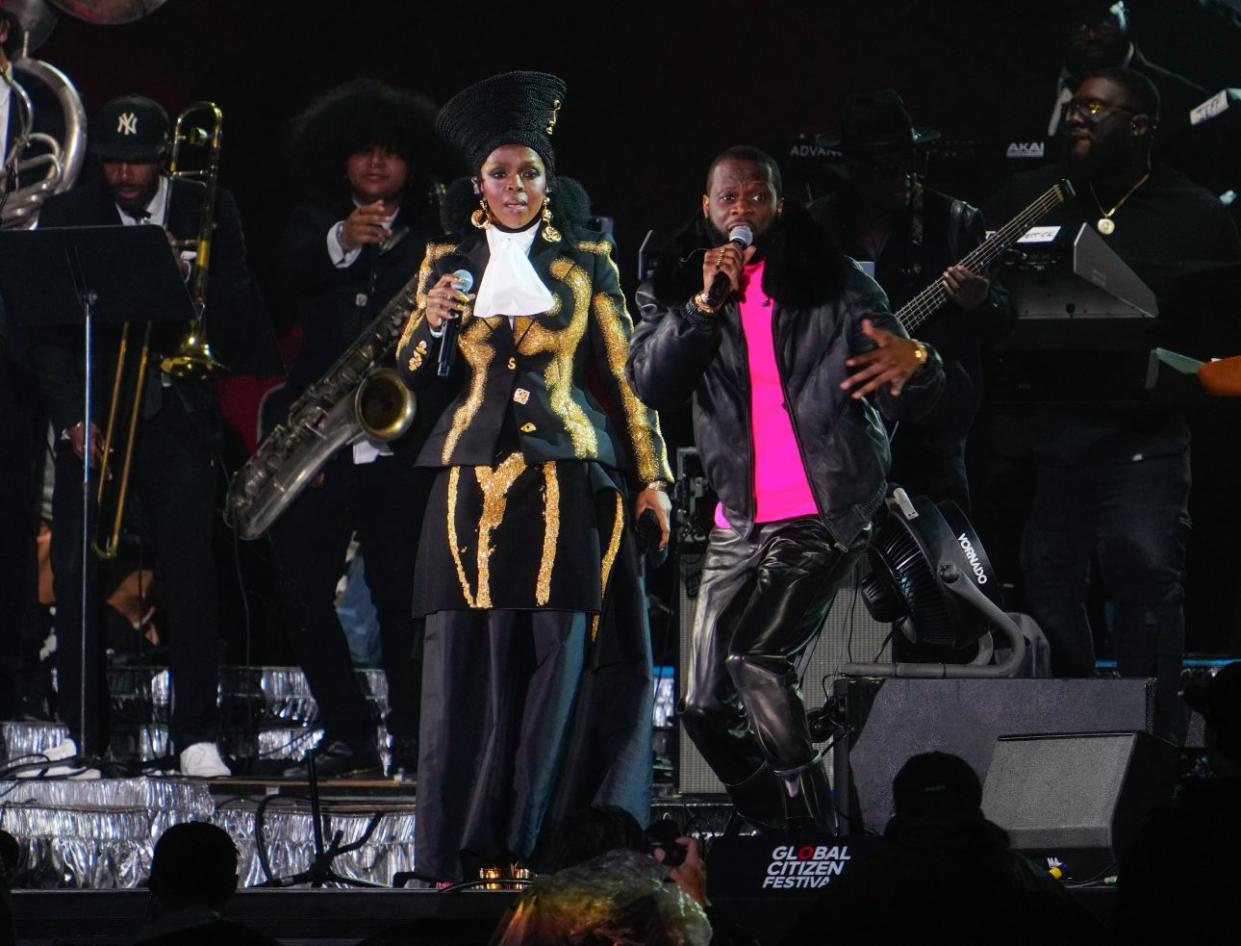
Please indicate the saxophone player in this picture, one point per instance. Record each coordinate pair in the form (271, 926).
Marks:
(175, 472)
(366, 156)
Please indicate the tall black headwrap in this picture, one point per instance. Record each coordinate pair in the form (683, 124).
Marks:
(514, 108)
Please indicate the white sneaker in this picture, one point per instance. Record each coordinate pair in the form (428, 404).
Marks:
(202, 760)
(64, 752)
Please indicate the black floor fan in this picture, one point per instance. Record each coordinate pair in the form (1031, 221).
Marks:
(931, 579)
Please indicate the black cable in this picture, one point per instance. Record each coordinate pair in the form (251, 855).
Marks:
(886, 640)
(260, 840)
(850, 624)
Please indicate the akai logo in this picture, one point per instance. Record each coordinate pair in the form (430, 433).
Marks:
(1026, 149)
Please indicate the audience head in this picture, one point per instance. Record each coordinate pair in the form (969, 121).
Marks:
(10, 857)
(1219, 702)
(589, 832)
(938, 788)
(195, 865)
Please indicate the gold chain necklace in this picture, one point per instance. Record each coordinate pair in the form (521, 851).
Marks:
(1105, 224)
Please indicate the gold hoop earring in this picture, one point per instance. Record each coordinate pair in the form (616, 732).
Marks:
(481, 218)
(550, 233)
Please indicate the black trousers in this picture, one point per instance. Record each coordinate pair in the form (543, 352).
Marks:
(928, 462)
(761, 604)
(384, 502)
(175, 478)
(501, 691)
(1133, 520)
(22, 424)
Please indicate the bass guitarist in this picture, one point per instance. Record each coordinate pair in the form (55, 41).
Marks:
(910, 233)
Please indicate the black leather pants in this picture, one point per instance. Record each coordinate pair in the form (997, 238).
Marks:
(761, 605)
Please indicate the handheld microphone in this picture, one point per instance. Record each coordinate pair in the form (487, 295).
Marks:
(462, 281)
(740, 237)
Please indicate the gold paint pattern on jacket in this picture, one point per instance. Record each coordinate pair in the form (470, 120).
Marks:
(551, 533)
(454, 482)
(434, 252)
(650, 452)
(642, 422)
(609, 558)
(495, 482)
(475, 346)
(562, 344)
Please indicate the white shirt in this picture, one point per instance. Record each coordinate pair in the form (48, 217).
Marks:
(364, 450)
(156, 208)
(342, 258)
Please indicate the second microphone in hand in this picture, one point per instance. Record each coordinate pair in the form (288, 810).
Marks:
(462, 281)
(740, 237)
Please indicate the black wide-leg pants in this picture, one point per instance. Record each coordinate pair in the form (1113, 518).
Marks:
(761, 604)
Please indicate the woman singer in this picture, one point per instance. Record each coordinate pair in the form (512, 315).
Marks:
(536, 685)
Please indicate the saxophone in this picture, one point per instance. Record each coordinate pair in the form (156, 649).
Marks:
(353, 400)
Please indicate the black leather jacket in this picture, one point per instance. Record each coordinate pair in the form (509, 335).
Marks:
(821, 298)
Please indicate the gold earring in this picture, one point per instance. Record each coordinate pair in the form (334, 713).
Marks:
(550, 233)
(481, 218)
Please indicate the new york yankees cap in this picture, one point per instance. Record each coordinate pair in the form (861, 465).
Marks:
(130, 128)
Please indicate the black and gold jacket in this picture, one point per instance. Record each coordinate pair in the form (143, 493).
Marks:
(561, 373)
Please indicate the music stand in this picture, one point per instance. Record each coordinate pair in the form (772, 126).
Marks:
(77, 276)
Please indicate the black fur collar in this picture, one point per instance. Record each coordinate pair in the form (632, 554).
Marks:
(804, 267)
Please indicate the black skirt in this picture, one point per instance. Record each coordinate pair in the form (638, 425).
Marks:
(537, 664)
(519, 536)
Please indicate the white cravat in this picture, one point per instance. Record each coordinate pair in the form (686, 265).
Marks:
(510, 286)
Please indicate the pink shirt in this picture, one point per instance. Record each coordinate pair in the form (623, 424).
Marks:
(781, 490)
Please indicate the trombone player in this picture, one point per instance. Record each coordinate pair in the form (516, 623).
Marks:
(174, 471)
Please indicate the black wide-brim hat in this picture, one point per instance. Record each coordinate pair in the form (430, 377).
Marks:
(514, 108)
(875, 122)
(130, 128)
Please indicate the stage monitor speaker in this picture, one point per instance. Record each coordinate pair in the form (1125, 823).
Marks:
(890, 720)
(1078, 797)
(849, 634)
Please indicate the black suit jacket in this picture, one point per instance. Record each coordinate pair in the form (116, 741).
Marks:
(561, 372)
(237, 324)
(334, 304)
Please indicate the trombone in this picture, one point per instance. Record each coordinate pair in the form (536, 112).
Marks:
(193, 358)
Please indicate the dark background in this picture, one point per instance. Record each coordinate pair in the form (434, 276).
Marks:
(655, 90)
